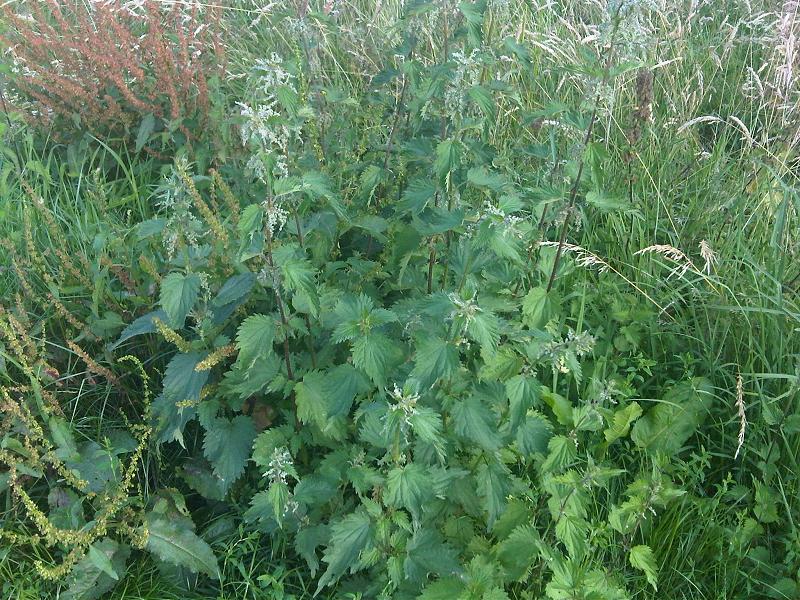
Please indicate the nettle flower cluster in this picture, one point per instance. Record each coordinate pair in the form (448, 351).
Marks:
(266, 130)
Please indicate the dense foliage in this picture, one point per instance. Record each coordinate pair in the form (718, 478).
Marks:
(412, 329)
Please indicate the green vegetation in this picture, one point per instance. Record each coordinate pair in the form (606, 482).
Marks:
(438, 300)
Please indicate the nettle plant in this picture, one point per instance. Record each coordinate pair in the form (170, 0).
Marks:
(373, 346)
(385, 360)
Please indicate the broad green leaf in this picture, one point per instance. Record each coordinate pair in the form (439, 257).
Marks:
(427, 426)
(482, 177)
(144, 324)
(433, 220)
(533, 435)
(417, 196)
(523, 392)
(641, 557)
(102, 561)
(408, 487)
(426, 553)
(373, 353)
(606, 202)
(91, 578)
(349, 537)
(181, 384)
(306, 542)
(621, 424)
(146, 128)
(250, 220)
(539, 306)
(560, 406)
(371, 178)
(311, 399)
(518, 552)
(573, 532)
(234, 289)
(667, 426)
(254, 339)
(298, 277)
(171, 541)
(484, 328)
(493, 486)
(484, 99)
(435, 359)
(227, 446)
(449, 588)
(474, 421)
(278, 496)
(561, 453)
(179, 293)
(446, 159)
(149, 228)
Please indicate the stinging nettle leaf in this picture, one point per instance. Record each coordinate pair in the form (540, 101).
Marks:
(408, 487)
(227, 446)
(179, 293)
(474, 421)
(641, 557)
(181, 384)
(349, 537)
(254, 339)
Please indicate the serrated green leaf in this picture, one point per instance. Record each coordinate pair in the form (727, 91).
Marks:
(561, 451)
(181, 384)
(475, 422)
(408, 487)
(448, 588)
(523, 392)
(306, 542)
(539, 306)
(417, 196)
(179, 293)
(254, 339)
(484, 328)
(227, 446)
(433, 220)
(426, 553)
(298, 277)
(434, 359)
(349, 538)
(533, 435)
(446, 159)
(493, 486)
(482, 177)
(250, 220)
(484, 99)
(371, 178)
(372, 353)
(641, 557)
(573, 532)
(518, 552)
